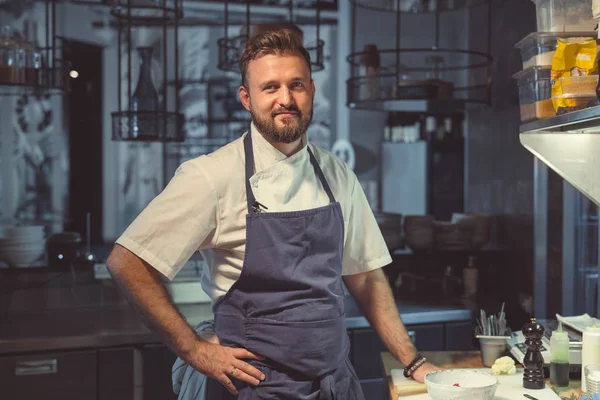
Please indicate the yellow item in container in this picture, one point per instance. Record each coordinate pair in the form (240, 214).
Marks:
(573, 57)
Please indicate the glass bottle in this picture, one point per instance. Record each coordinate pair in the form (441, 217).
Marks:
(470, 278)
(144, 102)
(387, 131)
(370, 63)
(559, 366)
(590, 351)
(435, 63)
(8, 56)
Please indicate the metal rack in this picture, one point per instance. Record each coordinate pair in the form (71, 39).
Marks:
(569, 144)
(418, 6)
(37, 68)
(435, 80)
(231, 44)
(220, 121)
(141, 119)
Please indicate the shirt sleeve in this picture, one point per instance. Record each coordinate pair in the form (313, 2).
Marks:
(364, 247)
(182, 219)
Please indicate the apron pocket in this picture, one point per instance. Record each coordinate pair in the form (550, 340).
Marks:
(312, 349)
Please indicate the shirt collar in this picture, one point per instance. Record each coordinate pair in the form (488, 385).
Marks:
(267, 150)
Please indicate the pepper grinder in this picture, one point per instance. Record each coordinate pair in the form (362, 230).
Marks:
(533, 377)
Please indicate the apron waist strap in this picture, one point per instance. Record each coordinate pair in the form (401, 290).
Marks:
(327, 388)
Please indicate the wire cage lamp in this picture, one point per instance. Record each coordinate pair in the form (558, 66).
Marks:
(292, 13)
(437, 78)
(148, 108)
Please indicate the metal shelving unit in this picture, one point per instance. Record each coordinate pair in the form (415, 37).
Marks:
(404, 78)
(569, 144)
(37, 68)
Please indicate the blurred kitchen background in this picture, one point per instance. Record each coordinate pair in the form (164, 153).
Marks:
(101, 100)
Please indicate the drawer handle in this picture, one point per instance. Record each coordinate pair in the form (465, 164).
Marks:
(413, 336)
(40, 367)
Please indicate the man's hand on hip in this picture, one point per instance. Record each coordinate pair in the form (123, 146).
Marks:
(223, 363)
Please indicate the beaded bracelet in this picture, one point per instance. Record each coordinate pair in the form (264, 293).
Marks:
(414, 365)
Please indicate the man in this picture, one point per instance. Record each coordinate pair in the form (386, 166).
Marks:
(285, 221)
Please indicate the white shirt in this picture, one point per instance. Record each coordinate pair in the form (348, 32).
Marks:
(204, 208)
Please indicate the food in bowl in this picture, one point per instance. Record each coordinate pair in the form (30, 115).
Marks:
(461, 384)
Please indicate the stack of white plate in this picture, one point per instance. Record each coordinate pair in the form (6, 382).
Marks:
(22, 246)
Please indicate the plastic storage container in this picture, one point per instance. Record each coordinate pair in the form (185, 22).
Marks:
(538, 48)
(578, 102)
(579, 85)
(535, 93)
(580, 91)
(564, 15)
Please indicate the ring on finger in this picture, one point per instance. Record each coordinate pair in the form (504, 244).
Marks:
(232, 371)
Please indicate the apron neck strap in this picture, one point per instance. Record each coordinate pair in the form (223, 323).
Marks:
(321, 176)
(249, 153)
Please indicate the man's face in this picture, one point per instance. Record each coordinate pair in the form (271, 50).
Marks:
(279, 94)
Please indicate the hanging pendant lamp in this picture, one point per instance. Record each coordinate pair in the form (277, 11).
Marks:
(148, 108)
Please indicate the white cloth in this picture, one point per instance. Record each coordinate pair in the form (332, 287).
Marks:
(188, 383)
(204, 208)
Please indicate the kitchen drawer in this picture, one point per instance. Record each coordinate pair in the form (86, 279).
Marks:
(374, 389)
(116, 374)
(460, 336)
(367, 347)
(64, 375)
(428, 337)
(157, 364)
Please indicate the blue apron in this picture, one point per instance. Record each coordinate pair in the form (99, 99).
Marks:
(288, 304)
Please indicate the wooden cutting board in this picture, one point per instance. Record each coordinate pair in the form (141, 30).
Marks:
(510, 388)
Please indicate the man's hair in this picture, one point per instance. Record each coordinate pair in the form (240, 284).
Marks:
(272, 39)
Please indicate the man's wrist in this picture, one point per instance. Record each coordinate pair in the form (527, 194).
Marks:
(407, 357)
(415, 364)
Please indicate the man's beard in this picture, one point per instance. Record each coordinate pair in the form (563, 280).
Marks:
(293, 129)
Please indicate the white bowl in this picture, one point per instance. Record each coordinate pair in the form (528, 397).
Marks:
(22, 255)
(472, 385)
(10, 246)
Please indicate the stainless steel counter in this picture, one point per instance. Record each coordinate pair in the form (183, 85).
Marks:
(95, 315)
(120, 325)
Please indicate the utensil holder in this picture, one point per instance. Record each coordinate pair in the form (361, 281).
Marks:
(492, 348)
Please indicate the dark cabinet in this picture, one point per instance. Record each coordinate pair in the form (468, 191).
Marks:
(366, 354)
(367, 347)
(117, 378)
(374, 389)
(157, 363)
(66, 375)
(460, 336)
